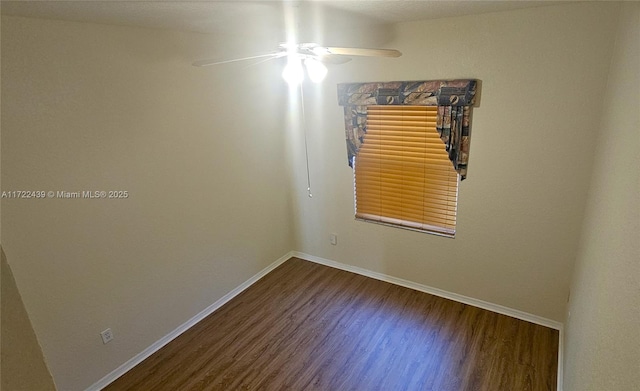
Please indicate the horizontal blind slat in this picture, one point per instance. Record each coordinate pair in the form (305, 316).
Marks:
(399, 190)
(418, 209)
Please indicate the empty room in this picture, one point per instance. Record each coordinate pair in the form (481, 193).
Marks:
(320, 195)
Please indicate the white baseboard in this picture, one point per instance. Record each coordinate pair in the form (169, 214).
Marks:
(122, 369)
(451, 296)
(434, 291)
(560, 358)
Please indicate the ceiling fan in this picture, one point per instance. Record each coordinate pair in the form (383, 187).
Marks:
(312, 55)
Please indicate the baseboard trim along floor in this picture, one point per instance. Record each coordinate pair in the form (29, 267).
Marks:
(122, 369)
(433, 291)
(138, 358)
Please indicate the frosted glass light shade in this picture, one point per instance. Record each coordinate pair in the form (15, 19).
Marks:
(315, 69)
(293, 72)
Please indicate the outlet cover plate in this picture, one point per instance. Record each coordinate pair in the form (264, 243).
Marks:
(107, 336)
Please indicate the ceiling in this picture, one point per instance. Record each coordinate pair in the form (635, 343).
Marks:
(223, 16)
(393, 11)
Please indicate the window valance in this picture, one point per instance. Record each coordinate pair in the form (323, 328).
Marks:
(454, 99)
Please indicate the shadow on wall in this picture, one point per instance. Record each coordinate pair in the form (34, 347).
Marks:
(22, 363)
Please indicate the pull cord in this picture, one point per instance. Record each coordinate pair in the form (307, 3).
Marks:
(306, 148)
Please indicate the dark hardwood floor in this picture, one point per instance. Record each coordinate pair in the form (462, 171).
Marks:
(306, 326)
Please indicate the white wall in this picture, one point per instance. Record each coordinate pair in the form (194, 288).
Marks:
(603, 329)
(520, 210)
(96, 107)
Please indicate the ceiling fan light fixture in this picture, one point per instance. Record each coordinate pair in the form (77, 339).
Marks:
(316, 70)
(320, 51)
(293, 72)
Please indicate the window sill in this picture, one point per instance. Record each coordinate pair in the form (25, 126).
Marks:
(424, 229)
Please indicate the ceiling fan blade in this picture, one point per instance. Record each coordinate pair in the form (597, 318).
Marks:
(204, 63)
(261, 61)
(333, 59)
(364, 52)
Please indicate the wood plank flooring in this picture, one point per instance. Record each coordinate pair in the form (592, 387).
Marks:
(306, 326)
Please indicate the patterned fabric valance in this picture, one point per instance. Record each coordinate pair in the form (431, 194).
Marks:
(454, 99)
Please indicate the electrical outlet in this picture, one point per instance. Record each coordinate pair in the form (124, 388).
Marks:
(333, 238)
(107, 336)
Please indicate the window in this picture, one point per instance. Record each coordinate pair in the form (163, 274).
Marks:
(408, 143)
(403, 175)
